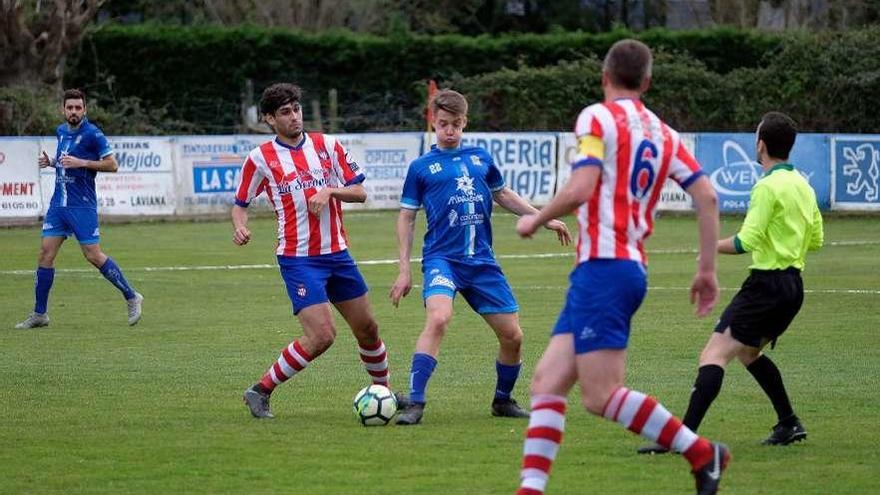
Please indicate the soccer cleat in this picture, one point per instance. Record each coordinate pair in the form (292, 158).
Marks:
(412, 415)
(402, 400)
(708, 477)
(258, 403)
(784, 435)
(653, 448)
(34, 320)
(508, 408)
(135, 308)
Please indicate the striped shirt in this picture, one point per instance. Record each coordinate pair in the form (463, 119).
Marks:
(636, 152)
(292, 175)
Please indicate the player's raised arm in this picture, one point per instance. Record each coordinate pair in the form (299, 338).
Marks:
(578, 190)
(516, 204)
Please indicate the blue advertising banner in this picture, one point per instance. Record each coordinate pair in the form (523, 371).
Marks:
(729, 161)
(856, 172)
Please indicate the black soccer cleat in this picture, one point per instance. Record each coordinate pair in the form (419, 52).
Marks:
(784, 435)
(258, 403)
(653, 448)
(508, 408)
(708, 477)
(412, 415)
(402, 400)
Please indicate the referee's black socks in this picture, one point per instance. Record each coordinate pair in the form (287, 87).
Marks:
(706, 388)
(768, 377)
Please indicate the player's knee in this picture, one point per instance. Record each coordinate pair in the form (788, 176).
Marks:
(47, 256)
(511, 339)
(438, 321)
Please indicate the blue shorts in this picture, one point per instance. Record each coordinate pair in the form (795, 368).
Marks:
(603, 296)
(81, 222)
(314, 280)
(483, 286)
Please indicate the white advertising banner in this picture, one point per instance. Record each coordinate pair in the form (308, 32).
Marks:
(208, 169)
(672, 197)
(384, 159)
(19, 178)
(527, 161)
(143, 185)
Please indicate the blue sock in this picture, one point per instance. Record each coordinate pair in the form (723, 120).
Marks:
(42, 286)
(507, 375)
(112, 273)
(422, 367)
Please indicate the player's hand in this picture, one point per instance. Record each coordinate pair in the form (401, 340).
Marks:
(319, 201)
(561, 230)
(68, 161)
(44, 160)
(704, 292)
(241, 236)
(401, 288)
(526, 226)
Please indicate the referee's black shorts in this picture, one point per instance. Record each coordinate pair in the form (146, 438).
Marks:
(765, 305)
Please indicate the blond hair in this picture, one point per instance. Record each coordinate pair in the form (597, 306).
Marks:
(450, 101)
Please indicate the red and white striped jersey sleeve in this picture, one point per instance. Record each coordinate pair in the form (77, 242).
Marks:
(252, 182)
(589, 135)
(344, 165)
(683, 167)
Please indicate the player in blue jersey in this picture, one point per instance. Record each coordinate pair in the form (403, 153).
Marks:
(456, 186)
(82, 152)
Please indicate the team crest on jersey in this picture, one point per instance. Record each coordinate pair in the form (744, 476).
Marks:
(465, 185)
(476, 160)
(322, 154)
(301, 290)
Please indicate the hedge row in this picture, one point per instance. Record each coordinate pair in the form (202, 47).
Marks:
(197, 75)
(827, 82)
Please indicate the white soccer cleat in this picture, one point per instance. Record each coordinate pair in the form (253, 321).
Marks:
(135, 308)
(34, 320)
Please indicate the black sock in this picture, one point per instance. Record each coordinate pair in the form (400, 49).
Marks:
(768, 377)
(706, 388)
(261, 389)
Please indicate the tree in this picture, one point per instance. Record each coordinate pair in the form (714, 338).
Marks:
(35, 38)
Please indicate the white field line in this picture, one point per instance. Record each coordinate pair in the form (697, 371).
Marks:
(264, 266)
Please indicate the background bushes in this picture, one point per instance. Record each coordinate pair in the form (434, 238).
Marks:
(193, 80)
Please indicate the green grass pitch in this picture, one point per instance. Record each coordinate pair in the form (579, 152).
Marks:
(89, 405)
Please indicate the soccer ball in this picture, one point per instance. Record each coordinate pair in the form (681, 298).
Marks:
(375, 405)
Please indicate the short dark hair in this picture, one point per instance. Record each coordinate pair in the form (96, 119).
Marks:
(628, 63)
(451, 101)
(778, 131)
(278, 95)
(73, 94)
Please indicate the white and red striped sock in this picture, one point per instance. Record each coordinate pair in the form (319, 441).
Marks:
(375, 361)
(546, 424)
(642, 414)
(292, 360)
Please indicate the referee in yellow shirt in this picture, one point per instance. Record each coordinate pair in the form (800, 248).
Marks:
(783, 223)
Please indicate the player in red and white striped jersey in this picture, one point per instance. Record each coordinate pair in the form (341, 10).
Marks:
(307, 177)
(625, 153)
